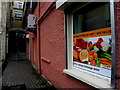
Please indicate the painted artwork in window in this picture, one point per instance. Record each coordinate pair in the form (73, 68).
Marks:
(92, 51)
(92, 40)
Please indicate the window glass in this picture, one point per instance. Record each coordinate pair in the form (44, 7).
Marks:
(20, 5)
(91, 19)
(18, 14)
(92, 39)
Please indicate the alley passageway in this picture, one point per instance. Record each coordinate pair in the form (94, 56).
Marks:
(19, 74)
(60, 44)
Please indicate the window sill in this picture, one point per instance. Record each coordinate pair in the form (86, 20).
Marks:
(91, 80)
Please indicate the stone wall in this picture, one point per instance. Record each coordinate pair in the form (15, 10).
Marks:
(3, 16)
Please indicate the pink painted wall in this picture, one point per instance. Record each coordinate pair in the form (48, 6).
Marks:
(53, 51)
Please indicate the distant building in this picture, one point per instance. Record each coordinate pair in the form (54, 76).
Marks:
(17, 14)
(16, 32)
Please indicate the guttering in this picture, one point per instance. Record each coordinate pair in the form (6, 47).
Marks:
(42, 17)
(39, 44)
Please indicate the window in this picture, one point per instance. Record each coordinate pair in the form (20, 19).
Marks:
(92, 50)
(20, 5)
(92, 18)
(89, 43)
(18, 14)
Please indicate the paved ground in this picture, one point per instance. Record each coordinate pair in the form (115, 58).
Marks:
(21, 73)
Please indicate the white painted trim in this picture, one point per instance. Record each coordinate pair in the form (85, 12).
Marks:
(89, 79)
(59, 3)
(62, 4)
(27, 36)
(70, 40)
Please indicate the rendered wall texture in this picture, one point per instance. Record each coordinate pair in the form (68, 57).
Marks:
(37, 40)
(117, 32)
(36, 12)
(34, 44)
(52, 46)
(53, 50)
(32, 40)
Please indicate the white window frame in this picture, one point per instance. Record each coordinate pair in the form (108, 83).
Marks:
(93, 80)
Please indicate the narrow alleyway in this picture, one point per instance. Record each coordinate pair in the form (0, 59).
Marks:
(19, 74)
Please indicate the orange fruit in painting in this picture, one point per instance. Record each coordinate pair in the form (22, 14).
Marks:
(91, 58)
(83, 55)
(90, 45)
(95, 54)
(75, 54)
(93, 62)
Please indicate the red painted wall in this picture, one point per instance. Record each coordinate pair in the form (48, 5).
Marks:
(51, 58)
(37, 39)
(44, 7)
(117, 26)
(36, 12)
(53, 50)
(33, 49)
